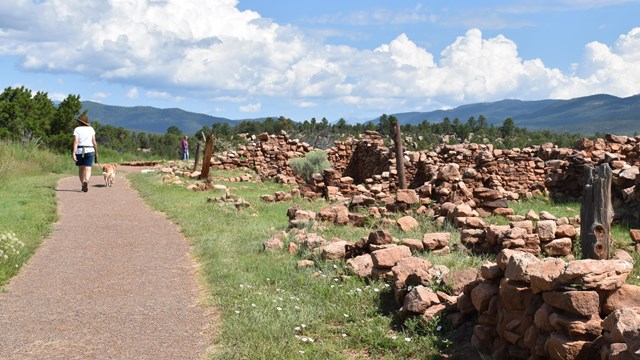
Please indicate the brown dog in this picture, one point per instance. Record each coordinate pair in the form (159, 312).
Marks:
(109, 173)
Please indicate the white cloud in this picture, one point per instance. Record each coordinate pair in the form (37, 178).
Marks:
(99, 96)
(132, 93)
(243, 56)
(250, 108)
(154, 94)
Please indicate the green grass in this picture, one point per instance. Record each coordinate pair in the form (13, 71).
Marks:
(28, 177)
(264, 299)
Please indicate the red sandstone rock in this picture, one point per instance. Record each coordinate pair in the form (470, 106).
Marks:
(456, 280)
(585, 303)
(361, 265)
(413, 244)
(558, 247)
(546, 230)
(407, 223)
(387, 258)
(434, 241)
(481, 295)
(419, 299)
(546, 274)
(407, 196)
(624, 326)
(627, 296)
(272, 244)
(560, 347)
(334, 250)
(597, 274)
(380, 237)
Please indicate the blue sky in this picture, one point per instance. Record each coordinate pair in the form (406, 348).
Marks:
(354, 59)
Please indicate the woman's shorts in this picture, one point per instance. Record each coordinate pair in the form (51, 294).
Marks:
(85, 159)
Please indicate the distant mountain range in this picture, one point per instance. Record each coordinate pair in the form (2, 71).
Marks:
(584, 115)
(150, 119)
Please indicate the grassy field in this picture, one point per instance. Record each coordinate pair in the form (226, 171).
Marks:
(28, 177)
(270, 309)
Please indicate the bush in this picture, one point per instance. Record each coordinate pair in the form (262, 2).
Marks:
(313, 162)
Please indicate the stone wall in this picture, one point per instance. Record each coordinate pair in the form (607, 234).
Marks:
(476, 174)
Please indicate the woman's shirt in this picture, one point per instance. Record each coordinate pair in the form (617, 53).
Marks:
(85, 139)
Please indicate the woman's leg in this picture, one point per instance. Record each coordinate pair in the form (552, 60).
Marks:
(87, 173)
(81, 173)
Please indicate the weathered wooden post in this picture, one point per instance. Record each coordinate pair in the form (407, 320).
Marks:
(206, 162)
(596, 212)
(195, 165)
(397, 139)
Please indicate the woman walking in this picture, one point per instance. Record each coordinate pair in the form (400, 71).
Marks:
(85, 150)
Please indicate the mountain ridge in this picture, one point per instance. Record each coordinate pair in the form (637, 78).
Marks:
(585, 115)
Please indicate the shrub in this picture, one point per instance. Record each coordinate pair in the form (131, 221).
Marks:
(314, 162)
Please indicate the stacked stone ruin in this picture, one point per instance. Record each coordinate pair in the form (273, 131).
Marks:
(526, 308)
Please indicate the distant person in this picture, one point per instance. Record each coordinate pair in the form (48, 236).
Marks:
(185, 148)
(85, 150)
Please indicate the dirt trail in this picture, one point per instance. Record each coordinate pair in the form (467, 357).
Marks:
(122, 288)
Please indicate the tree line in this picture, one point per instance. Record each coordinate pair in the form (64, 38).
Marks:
(34, 118)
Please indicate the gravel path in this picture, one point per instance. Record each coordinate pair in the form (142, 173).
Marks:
(123, 288)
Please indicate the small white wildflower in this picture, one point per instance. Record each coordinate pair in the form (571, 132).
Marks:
(301, 351)
(394, 337)
(305, 339)
(279, 308)
(359, 290)
(438, 328)
(297, 307)
(335, 266)
(303, 325)
(346, 315)
(241, 286)
(344, 335)
(297, 328)
(407, 339)
(253, 305)
(336, 279)
(376, 290)
(332, 286)
(237, 311)
(311, 340)
(281, 299)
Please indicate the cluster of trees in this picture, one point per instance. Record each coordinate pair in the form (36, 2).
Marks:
(27, 117)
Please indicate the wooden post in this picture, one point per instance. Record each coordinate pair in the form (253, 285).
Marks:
(596, 213)
(206, 162)
(195, 165)
(397, 139)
